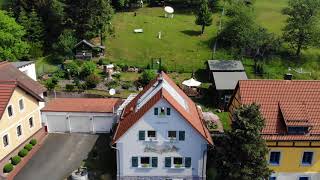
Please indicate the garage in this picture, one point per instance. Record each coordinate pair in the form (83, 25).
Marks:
(80, 115)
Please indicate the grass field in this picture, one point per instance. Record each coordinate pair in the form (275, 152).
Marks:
(181, 46)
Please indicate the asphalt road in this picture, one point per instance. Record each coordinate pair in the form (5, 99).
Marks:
(58, 157)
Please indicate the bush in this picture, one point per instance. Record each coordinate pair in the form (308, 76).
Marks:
(117, 76)
(72, 69)
(102, 61)
(28, 147)
(147, 76)
(50, 84)
(33, 142)
(7, 168)
(88, 68)
(126, 85)
(92, 80)
(164, 68)
(23, 152)
(69, 87)
(82, 86)
(15, 160)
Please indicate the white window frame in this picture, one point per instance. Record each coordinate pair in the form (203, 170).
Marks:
(31, 117)
(11, 109)
(21, 110)
(273, 164)
(312, 161)
(8, 139)
(147, 138)
(170, 138)
(21, 135)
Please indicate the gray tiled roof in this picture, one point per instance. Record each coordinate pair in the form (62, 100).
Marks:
(228, 80)
(225, 65)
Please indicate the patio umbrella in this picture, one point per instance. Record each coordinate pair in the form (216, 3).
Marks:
(168, 9)
(191, 83)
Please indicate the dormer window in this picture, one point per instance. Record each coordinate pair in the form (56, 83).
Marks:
(298, 130)
(162, 111)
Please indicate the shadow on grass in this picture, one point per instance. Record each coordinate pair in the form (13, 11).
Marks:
(191, 32)
(101, 161)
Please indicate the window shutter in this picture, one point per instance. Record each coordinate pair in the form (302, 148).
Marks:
(182, 135)
(187, 162)
(134, 161)
(142, 135)
(167, 162)
(156, 111)
(154, 161)
(168, 111)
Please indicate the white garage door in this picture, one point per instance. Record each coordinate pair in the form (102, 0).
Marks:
(57, 123)
(102, 124)
(80, 124)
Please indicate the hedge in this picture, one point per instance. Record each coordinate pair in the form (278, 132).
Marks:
(28, 147)
(23, 152)
(33, 142)
(7, 168)
(15, 160)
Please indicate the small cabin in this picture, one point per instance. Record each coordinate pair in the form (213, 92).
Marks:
(87, 50)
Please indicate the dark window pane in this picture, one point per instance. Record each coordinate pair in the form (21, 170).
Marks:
(134, 161)
(155, 111)
(19, 132)
(21, 105)
(5, 140)
(154, 161)
(304, 178)
(181, 135)
(145, 160)
(177, 160)
(31, 122)
(297, 130)
(172, 134)
(187, 162)
(274, 157)
(10, 111)
(307, 158)
(272, 178)
(167, 161)
(141, 135)
(151, 133)
(168, 111)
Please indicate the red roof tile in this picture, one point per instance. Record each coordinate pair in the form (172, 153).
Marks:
(285, 103)
(130, 117)
(98, 105)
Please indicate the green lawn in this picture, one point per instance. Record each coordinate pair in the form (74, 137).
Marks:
(181, 46)
(43, 66)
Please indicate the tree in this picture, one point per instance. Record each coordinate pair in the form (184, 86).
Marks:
(302, 28)
(51, 84)
(241, 153)
(204, 16)
(66, 42)
(12, 46)
(147, 76)
(88, 68)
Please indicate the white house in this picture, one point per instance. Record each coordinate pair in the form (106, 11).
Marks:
(82, 115)
(161, 135)
(27, 67)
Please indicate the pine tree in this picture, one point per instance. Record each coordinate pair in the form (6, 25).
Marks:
(35, 29)
(204, 16)
(241, 153)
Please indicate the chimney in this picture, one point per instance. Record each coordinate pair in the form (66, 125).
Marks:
(288, 76)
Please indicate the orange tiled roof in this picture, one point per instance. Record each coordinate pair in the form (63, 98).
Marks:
(285, 103)
(192, 116)
(99, 105)
(6, 90)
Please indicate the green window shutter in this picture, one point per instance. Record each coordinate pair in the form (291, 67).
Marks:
(134, 161)
(154, 161)
(142, 135)
(168, 111)
(182, 135)
(156, 112)
(167, 162)
(187, 162)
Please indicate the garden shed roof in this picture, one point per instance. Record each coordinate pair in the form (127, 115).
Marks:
(225, 65)
(228, 80)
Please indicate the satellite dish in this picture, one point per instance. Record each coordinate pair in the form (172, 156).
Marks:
(112, 92)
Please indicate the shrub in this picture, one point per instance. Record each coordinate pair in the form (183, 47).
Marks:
(126, 85)
(164, 68)
(92, 80)
(28, 147)
(82, 86)
(33, 142)
(69, 87)
(15, 160)
(23, 153)
(72, 69)
(50, 84)
(117, 76)
(88, 68)
(7, 168)
(147, 76)
(102, 61)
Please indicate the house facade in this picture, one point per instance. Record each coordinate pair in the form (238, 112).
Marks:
(20, 118)
(161, 135)
(291, 110)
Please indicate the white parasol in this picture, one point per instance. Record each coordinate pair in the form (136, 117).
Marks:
(168, 9)
(191, 83)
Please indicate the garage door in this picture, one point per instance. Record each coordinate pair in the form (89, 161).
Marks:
(57, 123)
(80, 124)
(102, 124)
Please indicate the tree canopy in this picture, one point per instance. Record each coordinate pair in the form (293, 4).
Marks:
(12, 45)
(241, 153)
(204, 16)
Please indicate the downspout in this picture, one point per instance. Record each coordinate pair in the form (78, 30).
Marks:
(118, 165)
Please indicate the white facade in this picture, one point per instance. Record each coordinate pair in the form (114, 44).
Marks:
(295, 176)
(61, 122)
(29, 70)
(193, 146)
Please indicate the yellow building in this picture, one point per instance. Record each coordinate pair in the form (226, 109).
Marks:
(291, 109)
(20, 118)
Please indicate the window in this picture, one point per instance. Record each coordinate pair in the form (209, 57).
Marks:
(182, 135)
(307, 158)
(167, 162)
(5, 140)
(154, 161)
(156, 113)
(274, 158)
(297, 130)
(178, 162)
(19, 131)
(142, 135)
(152, 134)
(168, 111)
(162, 111)
(144, 161)
(10, 110)
(172, 134)
(21, 105)
(31, 122)
(304, 178)
(134, 161)
(272, 178)
(187, 162)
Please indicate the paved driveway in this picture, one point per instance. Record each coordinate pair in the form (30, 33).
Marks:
(58, 157)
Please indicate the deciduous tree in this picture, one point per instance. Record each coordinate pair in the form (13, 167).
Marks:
(204, 16)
